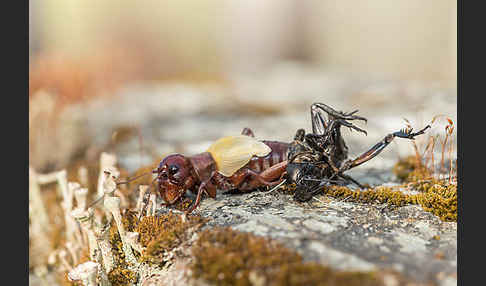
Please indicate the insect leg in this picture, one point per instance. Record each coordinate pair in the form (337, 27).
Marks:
(308, 187)
(248, 132)
(319, 123)
(247, 179)
(320, 126)
(318, 107)
(274, 172)
(202, 189)
(197, 201)
(349, 178)
(378, 147)
(351, 126)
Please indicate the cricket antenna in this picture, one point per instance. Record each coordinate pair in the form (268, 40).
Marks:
(134, 178)
(124, 182)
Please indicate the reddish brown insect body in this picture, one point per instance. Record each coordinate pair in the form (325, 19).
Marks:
(242, 163)
(201, 173)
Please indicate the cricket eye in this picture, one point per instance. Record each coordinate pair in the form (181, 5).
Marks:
(173, 169)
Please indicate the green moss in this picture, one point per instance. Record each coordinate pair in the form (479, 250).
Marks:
(160, 234)
(223, 256)
(436, 196)
(411, 169)
(377, 195)
(121, 276)
(439, 198)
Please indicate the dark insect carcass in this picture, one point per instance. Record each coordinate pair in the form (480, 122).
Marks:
(320, 158)
(242, 163)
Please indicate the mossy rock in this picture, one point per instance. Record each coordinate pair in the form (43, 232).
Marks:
(223, 256)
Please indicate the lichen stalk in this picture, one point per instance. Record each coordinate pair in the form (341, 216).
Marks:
(123, 199)
(81, 196)
(83, 176)
(113, 205)
(153, 200)
(36, 204)
(77, 234)
(86, 273)
(132, 238)
(106, 252)
(71, 248)
(67, 203)
(106, 161)
(62, 257)
(85, 218)
(39, 226)
(142, 190)
(43, 179)
(110, 174)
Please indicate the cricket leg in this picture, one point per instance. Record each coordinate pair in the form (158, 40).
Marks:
(248, 132)
(277, 171)
(205, 187)
(247, 179)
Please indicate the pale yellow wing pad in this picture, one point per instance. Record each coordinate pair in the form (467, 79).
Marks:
(233, 152)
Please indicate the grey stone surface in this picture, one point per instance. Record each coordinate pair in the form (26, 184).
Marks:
(344, 235)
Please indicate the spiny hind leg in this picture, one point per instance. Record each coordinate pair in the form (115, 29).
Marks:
(247, 179)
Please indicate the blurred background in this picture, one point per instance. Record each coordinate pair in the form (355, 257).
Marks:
(401, 39)
(239, 60)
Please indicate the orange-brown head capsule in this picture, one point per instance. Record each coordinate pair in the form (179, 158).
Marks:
(175, 177)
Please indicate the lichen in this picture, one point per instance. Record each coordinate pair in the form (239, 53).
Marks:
(121, 275)
(157, 235)
(223, 256)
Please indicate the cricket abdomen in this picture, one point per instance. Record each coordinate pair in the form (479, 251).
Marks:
(277, 155)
